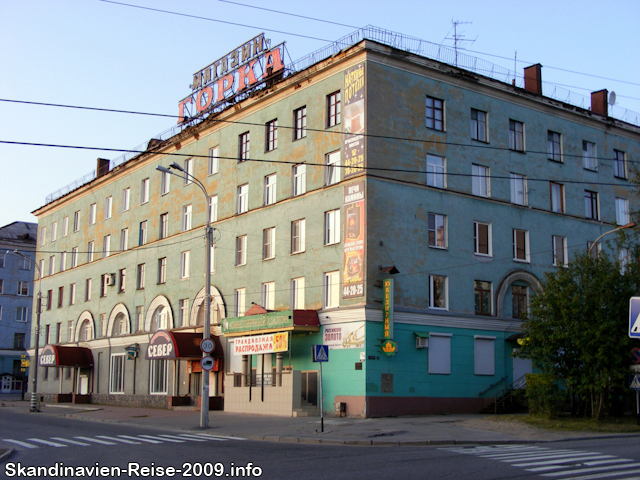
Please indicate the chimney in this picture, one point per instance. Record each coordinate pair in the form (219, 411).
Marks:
(599, 102)
(533, 79)
(103, 167)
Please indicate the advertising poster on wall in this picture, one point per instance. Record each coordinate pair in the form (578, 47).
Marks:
(344, 335)
(261, 344)
(353, 112)
(354, 230)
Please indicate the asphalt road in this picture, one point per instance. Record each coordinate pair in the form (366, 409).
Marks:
(47, 441)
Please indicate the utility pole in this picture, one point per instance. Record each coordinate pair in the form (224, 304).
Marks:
(458, 38)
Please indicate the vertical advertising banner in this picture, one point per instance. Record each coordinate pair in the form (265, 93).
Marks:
(387, 307)
(354, 231)
(353, 112)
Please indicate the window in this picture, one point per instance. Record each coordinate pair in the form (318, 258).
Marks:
(270, 189)
(142, 237)
(139, 318)
(560, 254)
(438, 292)
(124, 239)
(164, 225)
(158, 377)
(589, 156)
(213, 208)
(478, 125)
(126, 198)
(271, 135)
(140, 277)
(162, 270)
(65, 226)
(41, 269)
(619, 164)
(54, 231)
(243, 198)
(516, 136)
(108, 207)
(518, 189)
(435, 113)
(519, 296)
(188, 171)
(104, 279)
(300, 123)
(63, 261)
(186, 217)
(554, 146)
(90, 252)
(436, 171)
(43, 235)
(332, 227)
(437, 228)
(24, 265)
(165, 183)
(74, 257)
(297, 293)
(144, 191)
(214, 160)
(557, 197)
(22, 314)
(212, 264)
(116, 376)
(591, 204)
(2, 287)
(92, 214)
(76, 221)
(299, 180)
(268, 243)
(439, 353)
(484, 355)
(623, 259)
(333, 109)
(185, 264)
(52, 265)
(18, 341)
(239, 295)
(184, 312)
(297, 236)
(72, 295)
(482, 238)
(243, 147)
(521, 245)
(87, 290)
(622, 211)
(106, 246)
(480, 181)
(268, 293)
(122, 274)
(70, 332)
(332, 172)
(49, 299)
(482, 291)
(23, 288)
(241, 250)
(331, 289)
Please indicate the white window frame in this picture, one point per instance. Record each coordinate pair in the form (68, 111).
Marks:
(187, 211)
(268, 295)
(164, 225)
(87, 289)
(90, 247)
(106, 246)
(212, 263)
(300, 123)
(331, 290)
(54, 231)
(76, 221)
(214, 160)
(23, 289)
(108, 207)
(622, 211)
(158, 374)
(165, 183)
(518, 189)
(43, 235)
(298, 236)
(480, 180)
(334, 109)
(557, 261)
(74, 257)
(241, 250)
(244, 146)
(65, 226)
(116, 373)
(436, 171)
(92, 213)
(591, 205)
(269, 243)
(589, 155)
(619, 164)
(556, 192)
(332, 227)
(271, 135)
(126, 199)
(297, 293)
(623, 258)
(243, 199)
(239, 298)
(143, 234)
(332, 170)
(189, 164)
(432, 297)
(476, 239)
(299, 179)
(270, 182)
(72, 297)
(144, 191)
(140, 276)
(124, 239)
(435, 221)
(185, 264)
(525, 236)
(213, 208)
(162, 270)
(22, 314)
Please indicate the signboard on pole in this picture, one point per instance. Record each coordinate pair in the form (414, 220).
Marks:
(320, 353)
(207, 345)
(207, 363)
(634, 382)
(634, 317)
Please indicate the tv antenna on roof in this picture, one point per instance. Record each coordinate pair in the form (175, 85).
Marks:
(458, 38)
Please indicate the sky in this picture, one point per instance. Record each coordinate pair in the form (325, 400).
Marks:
(95, 53)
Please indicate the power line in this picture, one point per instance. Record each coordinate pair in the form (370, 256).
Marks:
(215, 20)
(290, 127)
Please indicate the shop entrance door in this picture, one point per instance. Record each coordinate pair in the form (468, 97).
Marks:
(309, 387)
(6, 384)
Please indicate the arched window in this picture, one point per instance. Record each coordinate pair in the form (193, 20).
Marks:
(119, 327)
(159, 320)
(86, 331)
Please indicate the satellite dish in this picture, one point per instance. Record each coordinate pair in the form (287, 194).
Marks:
(612, 98)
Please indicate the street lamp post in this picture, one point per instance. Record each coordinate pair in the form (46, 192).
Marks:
(34, 380)
(206, 333)
(628, 225)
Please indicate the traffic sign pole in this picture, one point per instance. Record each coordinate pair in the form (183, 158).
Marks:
(321, 409)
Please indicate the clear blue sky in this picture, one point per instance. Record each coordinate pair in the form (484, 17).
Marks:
(93, 53)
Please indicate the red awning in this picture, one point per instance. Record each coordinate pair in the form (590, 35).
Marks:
(57, 356)
(179, 345)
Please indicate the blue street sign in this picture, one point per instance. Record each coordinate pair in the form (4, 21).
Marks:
(320, 353)
(634, 317)
(634, 382)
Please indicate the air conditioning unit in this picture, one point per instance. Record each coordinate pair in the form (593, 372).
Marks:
(110, 279)
(422, 342)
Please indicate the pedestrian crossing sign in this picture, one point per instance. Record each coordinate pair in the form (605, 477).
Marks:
(320, 353)
(634, 382)
(634, 317)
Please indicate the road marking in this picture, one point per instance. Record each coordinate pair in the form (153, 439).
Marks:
(18, 442)
(95, 440)
(139, 437)
(46, 442)
(191, 438)
(204, 436)
(591, 470)
(72, 442)
(130, 442)
(609, 475)
(583, 461)
(162, 439)
(558, 458)
(222, 436)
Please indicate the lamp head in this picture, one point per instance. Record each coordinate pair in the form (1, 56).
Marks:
(162, 169)
(175, 166)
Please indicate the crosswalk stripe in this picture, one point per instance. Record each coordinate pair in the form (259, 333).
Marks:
(72, 442)
(130, 442)
(46, 442)
(566, 460)
(222, 436)
(551, 457)
(162, 439)
(95, 440)
(18, 442)
(591, 470)
(139, 438)
(598, 476)
(191, 438)
(208, 437)
(532, 454)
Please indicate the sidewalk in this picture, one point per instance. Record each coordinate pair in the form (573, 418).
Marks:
(398, 431)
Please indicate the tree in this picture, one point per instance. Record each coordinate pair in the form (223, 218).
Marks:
(577, 330)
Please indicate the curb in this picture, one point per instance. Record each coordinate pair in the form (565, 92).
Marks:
(6, 453)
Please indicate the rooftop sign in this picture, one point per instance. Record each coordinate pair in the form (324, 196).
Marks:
(239, 71)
